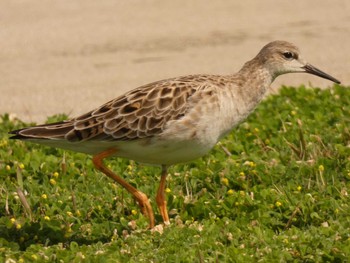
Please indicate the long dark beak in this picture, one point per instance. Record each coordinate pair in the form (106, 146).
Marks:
(315, 71)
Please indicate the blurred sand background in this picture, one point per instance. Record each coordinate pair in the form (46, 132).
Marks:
(72, 56)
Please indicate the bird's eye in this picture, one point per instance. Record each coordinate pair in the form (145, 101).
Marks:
(288, 55)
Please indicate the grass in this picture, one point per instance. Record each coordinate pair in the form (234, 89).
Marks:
(275, 190)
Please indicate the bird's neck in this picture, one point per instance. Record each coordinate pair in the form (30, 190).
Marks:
(256, 80)
(242, 94)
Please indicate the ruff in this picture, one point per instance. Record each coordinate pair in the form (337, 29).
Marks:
(171, 121)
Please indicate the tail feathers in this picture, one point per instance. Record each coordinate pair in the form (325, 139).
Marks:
(56, 130)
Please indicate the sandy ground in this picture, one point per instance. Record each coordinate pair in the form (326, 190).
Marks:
(72, 56)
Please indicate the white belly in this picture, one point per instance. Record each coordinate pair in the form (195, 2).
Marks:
(161, 152)
(150, 152)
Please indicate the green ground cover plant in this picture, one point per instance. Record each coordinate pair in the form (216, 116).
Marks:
(275, 190)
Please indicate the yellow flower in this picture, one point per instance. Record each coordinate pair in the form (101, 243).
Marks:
(241, 174)
(3, 143)
(321, 168)
(13, 220)
(256, 130)
(52, 181)
(134, 212)
(18, 226)
(8, 167)
(224, 181)
(34, 257)
(78, 213)
(55, 174)
(230, 192)
(299, 188)
(278, 203)
(167, 190)
(293, 112)
(21, 166)
(47, 218)
(252, 164)
(69, 213)
(44, 196)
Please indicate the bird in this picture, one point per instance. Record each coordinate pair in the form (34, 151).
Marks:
(171, 121)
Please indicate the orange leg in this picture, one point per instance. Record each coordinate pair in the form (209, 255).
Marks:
(140, 197)
(160, 198)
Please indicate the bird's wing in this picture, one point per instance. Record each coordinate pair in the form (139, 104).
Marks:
(140, 113)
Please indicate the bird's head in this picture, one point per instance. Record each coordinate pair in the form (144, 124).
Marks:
(281, 57)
